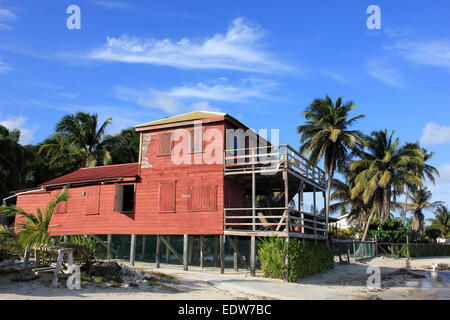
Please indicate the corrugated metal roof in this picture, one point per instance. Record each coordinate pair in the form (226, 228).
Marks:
(97, 173)
(196, 115)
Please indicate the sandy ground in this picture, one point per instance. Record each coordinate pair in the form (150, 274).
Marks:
(402, 279)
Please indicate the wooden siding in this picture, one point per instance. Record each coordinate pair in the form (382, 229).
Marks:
(147, 217)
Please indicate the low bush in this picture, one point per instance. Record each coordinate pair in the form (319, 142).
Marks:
(84, 248)
(304, 259)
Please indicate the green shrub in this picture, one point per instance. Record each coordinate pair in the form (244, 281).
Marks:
(304, 259)
(84, 248)
(271, 254)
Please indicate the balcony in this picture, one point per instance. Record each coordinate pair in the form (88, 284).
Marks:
(273, 176)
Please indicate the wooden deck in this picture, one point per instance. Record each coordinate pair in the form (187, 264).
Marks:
(279, 171)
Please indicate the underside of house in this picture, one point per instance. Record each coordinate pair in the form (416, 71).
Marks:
(201, 175)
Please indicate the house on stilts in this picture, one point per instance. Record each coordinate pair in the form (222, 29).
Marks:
(203, 178)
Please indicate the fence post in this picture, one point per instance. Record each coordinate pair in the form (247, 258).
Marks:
(407, 246)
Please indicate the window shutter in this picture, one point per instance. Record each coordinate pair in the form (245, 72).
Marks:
(165, 144)
(118, 198)
(93, 200)
(195, 198)
(167, 197)
(209, 198)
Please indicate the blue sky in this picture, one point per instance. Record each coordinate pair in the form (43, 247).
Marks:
(262, 62)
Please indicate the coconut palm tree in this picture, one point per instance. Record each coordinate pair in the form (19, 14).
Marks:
(326, 135)
(420, 201)
(424, 171)
(78, 140)
(383, 170)
(123, 147)
(441, 220)
(15, 159)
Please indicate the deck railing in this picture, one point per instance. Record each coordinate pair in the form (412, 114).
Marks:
(270, 160)
(273, 220)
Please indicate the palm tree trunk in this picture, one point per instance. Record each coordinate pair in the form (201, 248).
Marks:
(366, 228)
(406, 204)
(330, 179)
(386, 204)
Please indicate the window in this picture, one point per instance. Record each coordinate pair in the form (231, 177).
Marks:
(93, 200)
(167, 197)
(124, 198)
(196, 141)
(165, 144)
(128, 198)
(202, 197)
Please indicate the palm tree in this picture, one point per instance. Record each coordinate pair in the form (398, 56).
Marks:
(123, 147)
(33, 228)
(382, 171)
(441, 220)
(325, 135)
(420, 201)
(357, 209)
(424, 171)
(78, 140)
(15, 159)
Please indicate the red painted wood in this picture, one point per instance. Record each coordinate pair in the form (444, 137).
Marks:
(167, 197)
(153, 173)
(93, 200)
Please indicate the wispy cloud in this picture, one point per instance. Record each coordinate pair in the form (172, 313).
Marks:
(432, 52)
(388, 75)
(113, 4)
(336, 76)
(178, 98)
(239, 48)
(435, 134)
(18, 122)
(6, 17)
(4, 67)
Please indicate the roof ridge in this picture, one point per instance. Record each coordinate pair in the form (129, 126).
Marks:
(109, 165)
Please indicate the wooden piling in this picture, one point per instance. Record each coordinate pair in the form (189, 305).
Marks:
(185, 252)
(253, 256)
(222, 257)
(132, 249)
(158, 248)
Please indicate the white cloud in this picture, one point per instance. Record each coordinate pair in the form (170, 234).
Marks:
(26, 135)
(433, 53)
(444, 173)
(387, 75)
(113, 4)
(221, 90)
(6, 16)
(4, 67)
(204, 106)
(177, 99)
(238, 49)
(435, 134)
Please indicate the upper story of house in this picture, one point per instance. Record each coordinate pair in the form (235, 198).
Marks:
(195, 138)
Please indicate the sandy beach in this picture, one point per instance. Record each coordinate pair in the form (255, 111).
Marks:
(401, 279)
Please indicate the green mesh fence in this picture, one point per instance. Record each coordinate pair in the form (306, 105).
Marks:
(344, 249)
(146, 250)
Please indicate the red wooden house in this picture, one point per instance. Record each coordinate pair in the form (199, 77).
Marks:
(198, 174)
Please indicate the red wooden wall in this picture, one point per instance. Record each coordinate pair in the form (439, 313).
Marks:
(170, 198)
